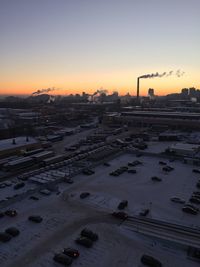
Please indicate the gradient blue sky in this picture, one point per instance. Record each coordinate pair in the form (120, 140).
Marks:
(81, 45)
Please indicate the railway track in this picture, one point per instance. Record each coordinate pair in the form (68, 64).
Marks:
(169, 231)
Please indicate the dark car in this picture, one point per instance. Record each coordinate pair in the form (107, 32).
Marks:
(4, 237)
(190, 210)
(19, 185)
(106, 164)
(69, 181)
(89, 234)
(122, 204)
(84, 241)
(84, 195)
(192, 206)
(162, 163)
(35, 218)
(13, 231)
(168, 168)
(88, 172)
(1, 214)
(63, 259)
(195, 200)
(196, 171)
(196, 193)
(123, 168)
(34, 198)
(150, 261)
(144, 212)
(155, 178)
(11, 213)
(71, 252)
(120, 214)
(132, 171)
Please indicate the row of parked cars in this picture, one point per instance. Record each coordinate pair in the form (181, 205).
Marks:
(190, 207)
(119, 171)
(126, 168)
(88, 172)
(86, 239)
(123, 169)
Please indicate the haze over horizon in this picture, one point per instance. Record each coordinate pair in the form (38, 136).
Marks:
(83, 45)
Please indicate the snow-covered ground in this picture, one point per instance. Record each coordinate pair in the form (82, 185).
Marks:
(141, 191)
(65, 215)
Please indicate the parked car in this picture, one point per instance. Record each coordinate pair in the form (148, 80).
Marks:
(34, 198)
(196, 193)
(162, 163)
(168, 168)
(69, 181)
(106, 164)
(4, 237)
(155, 178)
(35, 218)
(88, 172)
(71, 252)
(192, 206)
(84, 195)
(177, 200)
(120, 214)
(150, 261)
(122, 204)
(19, 185)
(144, 212)
(63, 259)
(89, 234)
(1, 214)
(194, 200)
(13, 231)
(2, 185)
(190, 210)
(132, 171)
(11, 213)
(45, 192)
(84, 241)
(196, 171)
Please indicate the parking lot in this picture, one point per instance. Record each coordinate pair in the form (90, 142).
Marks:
(64, 214)
(141, 192)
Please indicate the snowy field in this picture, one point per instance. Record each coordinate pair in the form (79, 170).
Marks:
(65, 215)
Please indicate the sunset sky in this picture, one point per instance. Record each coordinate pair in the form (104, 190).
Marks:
(82, 45)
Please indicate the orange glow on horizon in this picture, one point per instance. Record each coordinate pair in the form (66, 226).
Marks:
(121, 81)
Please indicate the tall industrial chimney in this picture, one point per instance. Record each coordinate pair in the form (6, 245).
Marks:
(138, 87)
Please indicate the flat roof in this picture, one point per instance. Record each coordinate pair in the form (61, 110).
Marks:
(185, 146)
(163, 113)
(7, 144)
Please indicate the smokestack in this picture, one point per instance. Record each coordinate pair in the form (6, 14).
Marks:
(138, 87)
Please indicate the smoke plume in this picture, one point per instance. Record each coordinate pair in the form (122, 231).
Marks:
(42, 91)
(177, 73)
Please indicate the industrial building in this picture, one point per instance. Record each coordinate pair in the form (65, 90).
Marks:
(175, 120)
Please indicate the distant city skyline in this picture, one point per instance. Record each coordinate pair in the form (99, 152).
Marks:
(83, 45)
